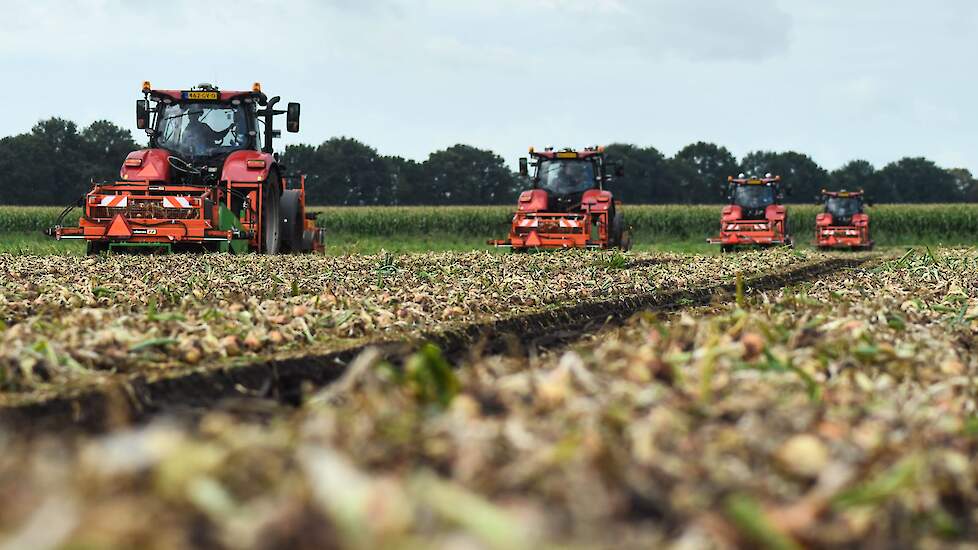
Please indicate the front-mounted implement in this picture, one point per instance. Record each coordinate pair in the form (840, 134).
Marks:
(755, 215)
(209, 180)
(843, 223)
(568, 205)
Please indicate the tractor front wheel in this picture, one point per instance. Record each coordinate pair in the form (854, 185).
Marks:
(271, 237)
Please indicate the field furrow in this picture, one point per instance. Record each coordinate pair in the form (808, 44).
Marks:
(285, 376)
(70, 321)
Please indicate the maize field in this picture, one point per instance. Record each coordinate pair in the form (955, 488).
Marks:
(892, 224)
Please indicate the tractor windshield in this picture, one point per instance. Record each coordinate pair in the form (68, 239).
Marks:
(754, 196)
(843, 208)
(566, 177)
(195, 130)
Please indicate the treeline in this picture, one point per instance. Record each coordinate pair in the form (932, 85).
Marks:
(55, 162)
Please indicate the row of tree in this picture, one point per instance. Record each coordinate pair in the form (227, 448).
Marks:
(343, 171)
(55, 162)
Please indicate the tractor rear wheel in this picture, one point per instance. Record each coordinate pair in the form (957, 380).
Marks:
(292, 223)
(618, 236)
(271, 237)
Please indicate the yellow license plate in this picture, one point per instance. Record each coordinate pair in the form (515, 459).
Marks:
(211, 96)
(567, 155)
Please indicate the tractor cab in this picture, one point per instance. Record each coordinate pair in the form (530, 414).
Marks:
(567, 205)
(755, 214)
(203, 130)
(754, 195)
(843, 222)
(843, 206)
(198, 129)
(565, 176)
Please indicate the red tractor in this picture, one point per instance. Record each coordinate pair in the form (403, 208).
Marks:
(756, 215)
(209, 180)
(843, 223)
(568, 206)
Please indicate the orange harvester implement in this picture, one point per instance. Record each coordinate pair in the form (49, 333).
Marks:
(209, 180)
(568, 206)
(844, 222)
(755, 215)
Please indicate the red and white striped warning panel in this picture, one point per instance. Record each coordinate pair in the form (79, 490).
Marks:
(570, 224)
(176, 202)
(529, 223)
(115, 201)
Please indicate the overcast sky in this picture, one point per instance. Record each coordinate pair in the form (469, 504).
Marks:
(837, 79)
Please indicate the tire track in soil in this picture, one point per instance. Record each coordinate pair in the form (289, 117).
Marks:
(285, 381)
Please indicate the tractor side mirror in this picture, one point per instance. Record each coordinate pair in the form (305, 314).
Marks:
(524, 167)
(292, 118)
(142, 114)
(619, 170)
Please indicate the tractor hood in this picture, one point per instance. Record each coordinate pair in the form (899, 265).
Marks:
(146, 165)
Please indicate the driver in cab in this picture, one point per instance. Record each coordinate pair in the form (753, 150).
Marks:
(574, 175)
(201, 135)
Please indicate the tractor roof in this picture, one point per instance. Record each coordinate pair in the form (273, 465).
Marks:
(549, 153)
(768, 181)
(205, 92)
(843, 194)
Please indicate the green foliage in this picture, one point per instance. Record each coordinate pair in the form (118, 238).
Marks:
(346, 172)
(750, 519)
(649, 177)
(857, 175)
(55, 163)
(431, 377)
(803, 177)
(340, 171)
(615, 260)
(465, 175)
(28, 218)
(891, 224)
(701, 169)
(917, 180)
(901, 477)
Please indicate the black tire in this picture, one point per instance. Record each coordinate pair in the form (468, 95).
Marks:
(271, 238)
(726, 249)
(626, 241)
(94, 248)
(292, 223)
(618, 230)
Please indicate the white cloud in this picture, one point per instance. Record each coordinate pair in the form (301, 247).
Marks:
(875, 79)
